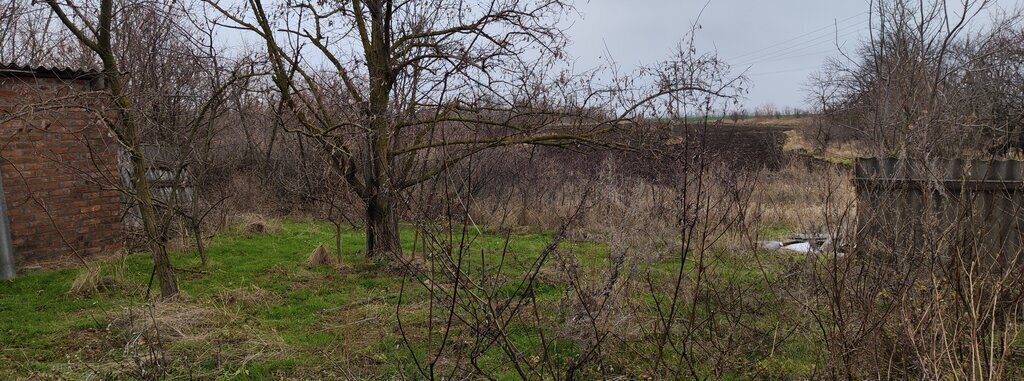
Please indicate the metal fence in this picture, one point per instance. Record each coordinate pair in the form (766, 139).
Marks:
(943, 205)
(169, 187)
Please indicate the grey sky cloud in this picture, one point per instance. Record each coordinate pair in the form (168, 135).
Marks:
(779, 43)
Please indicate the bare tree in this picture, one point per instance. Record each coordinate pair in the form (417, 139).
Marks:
(167, 85)
(94, 29)
(31, 35)
(993, 84)
(923, 85)
(397, 92)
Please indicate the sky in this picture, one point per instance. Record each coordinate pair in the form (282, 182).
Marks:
(779, 43)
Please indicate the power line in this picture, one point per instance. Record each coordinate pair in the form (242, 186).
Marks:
(797, 50)
(827, 28)
(812, 54)
(804, 45)
(781, 71)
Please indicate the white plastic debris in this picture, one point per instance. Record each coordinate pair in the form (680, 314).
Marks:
(771, 245)
(800, 247)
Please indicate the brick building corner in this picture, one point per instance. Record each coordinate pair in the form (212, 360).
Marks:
(59, 165)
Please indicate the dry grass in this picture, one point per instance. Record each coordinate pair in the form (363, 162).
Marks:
(834, 152)
(249, 295)
(103, 275)
(185, 241)
(87, 282)
(179, 319)
(409, 264)
(802, 200)
(166, 338)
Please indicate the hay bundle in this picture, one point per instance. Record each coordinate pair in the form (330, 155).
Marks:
(320, 257)
(256, 227)
(255, 224)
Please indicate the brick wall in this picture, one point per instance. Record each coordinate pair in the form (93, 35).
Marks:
(59, 169)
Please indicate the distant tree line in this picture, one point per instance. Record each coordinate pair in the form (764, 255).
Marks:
(768, 110)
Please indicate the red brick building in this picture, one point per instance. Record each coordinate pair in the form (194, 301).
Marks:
(59, 165)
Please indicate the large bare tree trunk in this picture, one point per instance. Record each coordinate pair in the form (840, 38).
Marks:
(382, 227)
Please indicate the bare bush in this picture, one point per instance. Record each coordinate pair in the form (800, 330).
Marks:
(915, 88)
(920, 294)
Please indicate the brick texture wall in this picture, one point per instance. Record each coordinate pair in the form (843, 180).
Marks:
(59, 169)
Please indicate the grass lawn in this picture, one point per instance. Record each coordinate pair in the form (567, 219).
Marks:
(256, 312)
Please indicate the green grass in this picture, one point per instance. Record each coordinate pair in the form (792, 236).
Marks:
(38, 316)
(302, 323)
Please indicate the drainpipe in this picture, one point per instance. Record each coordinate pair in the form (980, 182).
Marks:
(6, 247)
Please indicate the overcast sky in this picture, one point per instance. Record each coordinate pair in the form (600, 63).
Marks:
(781, 41)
